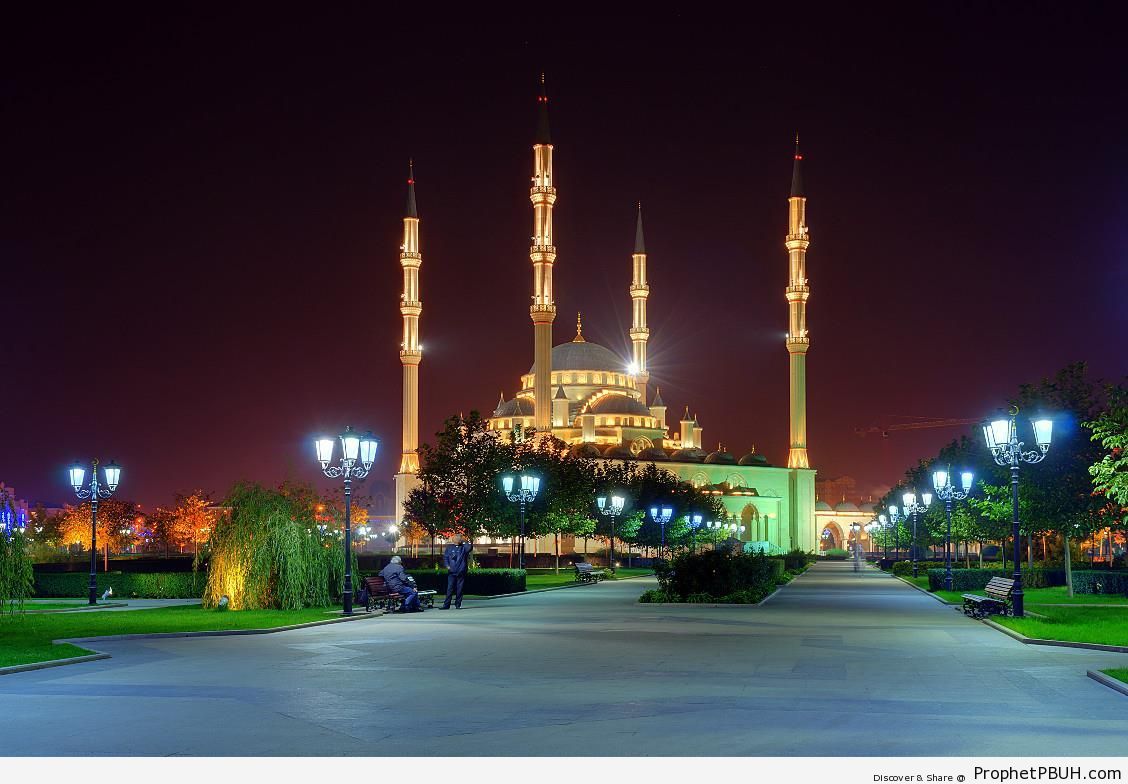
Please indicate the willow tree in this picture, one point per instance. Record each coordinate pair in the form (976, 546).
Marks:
(15, 571)
(268, 552)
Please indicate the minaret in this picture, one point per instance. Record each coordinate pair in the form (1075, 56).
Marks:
(411, 352)
(639, 292)
(798, 238)
(542, 254)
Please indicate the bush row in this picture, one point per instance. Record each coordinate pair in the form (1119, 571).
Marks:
(1084, 580)
(483, 582)
(126, 585)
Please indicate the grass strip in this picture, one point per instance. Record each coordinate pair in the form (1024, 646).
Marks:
(1102, 625)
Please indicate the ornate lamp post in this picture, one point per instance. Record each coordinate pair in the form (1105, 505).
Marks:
(1001, 436)
(357, 455)
(895, 519)
(612, 510)
(662, 516)
(947, 492)
(871, 527)
(914, 508)
(94, 491)
(884, 522)
(521, 490)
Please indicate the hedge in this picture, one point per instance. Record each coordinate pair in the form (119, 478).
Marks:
(1086, 581)
(483, 582)
(126, 585)
(977, 579)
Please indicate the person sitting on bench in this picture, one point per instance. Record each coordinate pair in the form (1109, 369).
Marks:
(398, 581)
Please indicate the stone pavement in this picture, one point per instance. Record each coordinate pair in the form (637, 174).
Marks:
(837, 663)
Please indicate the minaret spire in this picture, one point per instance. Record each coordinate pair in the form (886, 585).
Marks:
(797, 240)
(542, 254)
(639, 332)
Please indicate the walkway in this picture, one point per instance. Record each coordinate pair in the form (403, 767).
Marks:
(837, 663)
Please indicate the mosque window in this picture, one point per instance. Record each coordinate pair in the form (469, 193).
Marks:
(700, 480)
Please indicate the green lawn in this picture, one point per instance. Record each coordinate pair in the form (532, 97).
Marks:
(38, 606)
(1054, 595)
(25, 639)
(1106, 625)
(549, 579)
(1121, 673)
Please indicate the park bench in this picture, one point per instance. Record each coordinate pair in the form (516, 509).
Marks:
(586, 573)
(380, 596)
(997, 600)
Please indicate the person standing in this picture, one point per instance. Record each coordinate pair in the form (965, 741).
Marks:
(456, 558)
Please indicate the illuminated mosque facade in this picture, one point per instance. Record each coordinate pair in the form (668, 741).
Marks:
(603, 407)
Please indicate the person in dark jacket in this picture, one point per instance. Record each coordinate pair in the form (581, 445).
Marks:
(398, 581)
(456, 558)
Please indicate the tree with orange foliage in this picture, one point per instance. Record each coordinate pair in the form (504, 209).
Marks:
(115, 525)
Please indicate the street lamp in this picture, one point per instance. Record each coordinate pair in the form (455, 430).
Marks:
(521, 490)
(914, 508)
(871, 527)
(947, 492)
(662, 516)
(884, 522)
(94, 491)
(357, 455)
(1001, 436)
(612, 510)
(895, 519)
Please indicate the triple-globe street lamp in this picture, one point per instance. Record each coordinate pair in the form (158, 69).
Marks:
(358, 452)
(95, 491)
(947, 492)
(661, 516)
(1001, 436)
(521, 490)
(915, 508)
(611, 507)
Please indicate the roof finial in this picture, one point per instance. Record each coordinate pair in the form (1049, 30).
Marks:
(579, 328)
(543, 136)
(796, 174)
(412, 210)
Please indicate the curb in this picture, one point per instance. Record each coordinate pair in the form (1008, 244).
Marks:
(929, 594)
(79, 608)
(554, 588)
(53, 663)
(222, 632)
(1022, 638)
(1112, 683)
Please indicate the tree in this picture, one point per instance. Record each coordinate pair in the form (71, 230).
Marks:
(15, 571)
(115, 525)
(1110, 430)
(189, 523)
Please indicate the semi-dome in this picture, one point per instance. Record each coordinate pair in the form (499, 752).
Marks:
(515, 407)
(822, 506)
(846, 506)
(753, 459)
(618, 404)
(584, 356)
(719, 457)
(619, 452)
(653, 453)
(586, 450)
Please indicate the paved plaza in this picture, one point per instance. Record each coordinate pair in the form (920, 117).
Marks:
(837, 663)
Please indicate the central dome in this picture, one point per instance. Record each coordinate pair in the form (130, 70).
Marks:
(584, 356)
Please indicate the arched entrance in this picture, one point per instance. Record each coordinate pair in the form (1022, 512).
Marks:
(831, 537)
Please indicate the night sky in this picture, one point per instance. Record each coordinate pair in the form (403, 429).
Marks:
(202, 210)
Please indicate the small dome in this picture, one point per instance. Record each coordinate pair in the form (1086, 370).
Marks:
(690, 455)
(868, 506)
(753, 459)
(723, 458)
(586, 450)
(516, 407)
(822, 506)
(846, 506)
(618, 452)
(618, 404)
(654, 454)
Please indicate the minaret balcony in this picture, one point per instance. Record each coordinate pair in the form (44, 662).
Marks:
(641, 290)
(411, 356)
(544, 253)
(542, 195)
(411, 308)
(639, 333)
(797, 293)
(542, 313)
(797, 241)
(410, 259)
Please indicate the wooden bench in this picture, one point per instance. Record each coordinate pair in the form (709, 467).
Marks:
(380, 596)
(586, 573)
(997, 600)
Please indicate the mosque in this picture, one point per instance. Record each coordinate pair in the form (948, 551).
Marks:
(600, 404)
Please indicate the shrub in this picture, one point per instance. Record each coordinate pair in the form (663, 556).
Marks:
(797, 560)
(1088, 581)
(153, 585)
(905, 568)
(653, 597)
(977, 579)
(719, 573)
(835, 554)
(483, 582)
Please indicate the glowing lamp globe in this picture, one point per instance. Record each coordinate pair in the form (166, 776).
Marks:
(966, 479)
(324, 447)
(77, 475)
(939, 479)
(113, 475)
(1043, 431)
(368, 446)
(350, 442)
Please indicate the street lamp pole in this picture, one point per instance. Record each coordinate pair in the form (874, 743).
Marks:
(612, 510)
(521, 491)
(662, 516)
(885, 529)
(1001, 436)
(914, 507)
(357, 455)
(94, 492)
(947, 492)
(895, 517)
